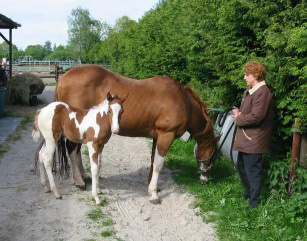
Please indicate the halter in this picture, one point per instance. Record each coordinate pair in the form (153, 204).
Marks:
(207, 168)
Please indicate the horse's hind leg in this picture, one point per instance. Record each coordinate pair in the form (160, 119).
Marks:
(85, 176)
(47, 159)
(153, 150)
(76, 163)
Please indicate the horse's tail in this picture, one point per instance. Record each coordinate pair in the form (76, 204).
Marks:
(36, 132)
(62, 159)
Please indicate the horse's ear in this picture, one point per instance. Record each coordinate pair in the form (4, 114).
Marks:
(109, 96)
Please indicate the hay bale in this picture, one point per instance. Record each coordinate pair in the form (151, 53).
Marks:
(20, 87)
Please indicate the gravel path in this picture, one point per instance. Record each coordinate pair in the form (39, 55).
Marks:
(27, 213)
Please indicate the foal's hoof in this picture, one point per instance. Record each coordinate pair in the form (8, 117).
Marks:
(155, 201)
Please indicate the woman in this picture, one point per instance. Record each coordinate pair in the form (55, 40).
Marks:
(254, 122)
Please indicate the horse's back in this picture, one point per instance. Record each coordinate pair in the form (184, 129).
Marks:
(84, 86)
(158, 102)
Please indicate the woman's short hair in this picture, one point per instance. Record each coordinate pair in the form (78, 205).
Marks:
(256, 69)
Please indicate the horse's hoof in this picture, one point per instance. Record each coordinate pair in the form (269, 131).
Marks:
(81, 187)
(155, 201)
(59, 197)
(47, 190)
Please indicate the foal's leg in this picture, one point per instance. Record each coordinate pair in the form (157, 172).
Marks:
(99, 164)
(76, 163)
(47, 159)
(93, 155)
(163, 143)
(42, 170)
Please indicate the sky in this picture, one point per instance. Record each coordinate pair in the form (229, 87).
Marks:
(43, 20)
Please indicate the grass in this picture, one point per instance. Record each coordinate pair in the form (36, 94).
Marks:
(106, 233)
(52, 84)
(16, 135)
(108, 222)
(95, 214)
(219, 198)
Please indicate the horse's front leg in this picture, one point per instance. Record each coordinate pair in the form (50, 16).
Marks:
(94, 160)
(47, 157)
(163, 143)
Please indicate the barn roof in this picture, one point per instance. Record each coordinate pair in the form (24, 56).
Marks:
(7, 23)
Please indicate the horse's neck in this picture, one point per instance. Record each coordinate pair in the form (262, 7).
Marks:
(197, 121)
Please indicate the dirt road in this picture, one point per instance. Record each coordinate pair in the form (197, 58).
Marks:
(27, 213)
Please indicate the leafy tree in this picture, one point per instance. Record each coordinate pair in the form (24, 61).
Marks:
(47, 47)
(60, 53)
(84, 32)
(4, 51)
(37, 52)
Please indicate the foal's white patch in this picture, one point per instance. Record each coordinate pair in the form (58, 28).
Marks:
(90, 119)
(45, 118)
(115, 109)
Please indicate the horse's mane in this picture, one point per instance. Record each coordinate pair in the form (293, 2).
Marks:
(202, 105)
(192, 93)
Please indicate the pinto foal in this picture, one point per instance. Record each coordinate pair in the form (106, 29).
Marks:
(92, 127)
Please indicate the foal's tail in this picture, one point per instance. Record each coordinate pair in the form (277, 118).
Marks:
(36, 132)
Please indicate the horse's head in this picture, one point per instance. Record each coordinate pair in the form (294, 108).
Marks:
(205, 152)
(114, 112)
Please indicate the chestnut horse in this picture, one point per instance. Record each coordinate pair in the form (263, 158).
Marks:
(92, 127)
(158, 107)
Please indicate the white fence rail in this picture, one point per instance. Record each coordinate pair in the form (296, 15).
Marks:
(47, 66)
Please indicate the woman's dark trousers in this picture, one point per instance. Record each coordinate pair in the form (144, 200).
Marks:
(249, 168)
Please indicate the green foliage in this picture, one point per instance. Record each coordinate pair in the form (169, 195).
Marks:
(4, 51)
(279, 217)
(205, 43)
(38, 52)
(95, 214)
(84, 32)
(106, 233)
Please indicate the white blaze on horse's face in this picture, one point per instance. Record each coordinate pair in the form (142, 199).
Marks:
(116, 110)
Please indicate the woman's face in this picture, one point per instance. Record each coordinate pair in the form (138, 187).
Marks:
(250, 80)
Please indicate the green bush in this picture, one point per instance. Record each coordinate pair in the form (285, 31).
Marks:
(205, 43)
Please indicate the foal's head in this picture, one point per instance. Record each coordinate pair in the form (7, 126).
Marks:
(114, 112)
